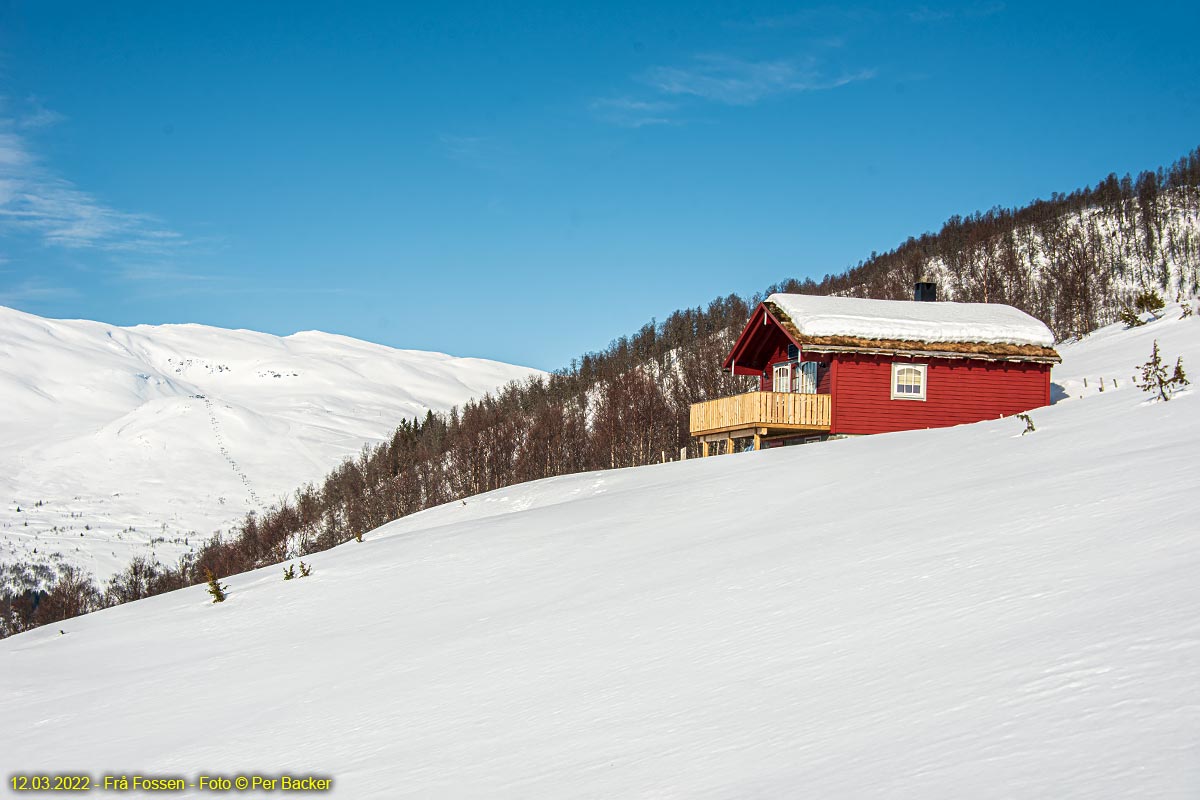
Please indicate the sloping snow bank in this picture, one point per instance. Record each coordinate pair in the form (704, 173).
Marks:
(965, 612)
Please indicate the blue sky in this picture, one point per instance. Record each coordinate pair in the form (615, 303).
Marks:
(527, 181)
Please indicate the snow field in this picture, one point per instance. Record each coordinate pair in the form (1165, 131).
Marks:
(965, 612)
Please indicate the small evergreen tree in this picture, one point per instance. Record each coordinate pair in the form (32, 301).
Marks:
(1150, 302)
(1156, 378)
(1179, 377)
(1130, 318)
(289, 572)
(305, 569)
(214, 587)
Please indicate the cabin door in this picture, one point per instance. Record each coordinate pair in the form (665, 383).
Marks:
(806, 377)
(781, 378)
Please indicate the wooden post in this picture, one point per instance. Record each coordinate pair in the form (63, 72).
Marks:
(683, 454)
(757, 441)
(704, 449)
(728, 446)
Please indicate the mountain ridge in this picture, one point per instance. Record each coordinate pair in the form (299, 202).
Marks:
(87, 400)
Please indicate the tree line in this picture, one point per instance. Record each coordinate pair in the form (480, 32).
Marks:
(1073, 261)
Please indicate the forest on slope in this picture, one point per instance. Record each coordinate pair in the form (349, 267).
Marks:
(1074, 261)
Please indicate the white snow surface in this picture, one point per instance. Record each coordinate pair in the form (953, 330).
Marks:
(117, 441)
(964, 612)
(908, 321)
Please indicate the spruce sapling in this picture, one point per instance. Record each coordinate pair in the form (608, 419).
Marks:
(1028, 420)
(289, 572)
(1179, 377)
(214, 587)
(1130, 318)
(305, 570)
(1156, 379)
(1149, 301)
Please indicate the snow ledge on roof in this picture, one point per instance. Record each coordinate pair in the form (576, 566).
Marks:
(911, 321)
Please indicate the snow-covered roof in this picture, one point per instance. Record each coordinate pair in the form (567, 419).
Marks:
(910, 321)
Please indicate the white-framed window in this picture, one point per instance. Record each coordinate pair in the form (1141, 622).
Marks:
(797, 377)
(908, 381)
(804, 377)
(781, 378)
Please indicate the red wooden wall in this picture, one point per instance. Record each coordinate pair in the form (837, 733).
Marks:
(957, 391)
(778, 354)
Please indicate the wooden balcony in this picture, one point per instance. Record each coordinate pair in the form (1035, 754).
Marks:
(759, 415)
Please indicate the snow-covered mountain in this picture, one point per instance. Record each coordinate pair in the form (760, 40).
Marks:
(119, 441)
(965, 612)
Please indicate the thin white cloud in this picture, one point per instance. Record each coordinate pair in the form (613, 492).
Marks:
(843, 15)
(732, 81)
(671, 91)
(464, 148)
(818, 16)
(37, 115)
(975, 10)
(32, 291)
(631, 112)
(12, 152)
(479, 152)
(161, 273)
(35, 200)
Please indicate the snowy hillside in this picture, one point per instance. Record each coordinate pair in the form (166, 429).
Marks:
(966, 612)
(1116, 243)
(119, 441)
(1074, 261)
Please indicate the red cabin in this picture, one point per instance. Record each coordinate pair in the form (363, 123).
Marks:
(837, 366)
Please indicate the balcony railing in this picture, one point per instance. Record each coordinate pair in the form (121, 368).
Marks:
(772, 410)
